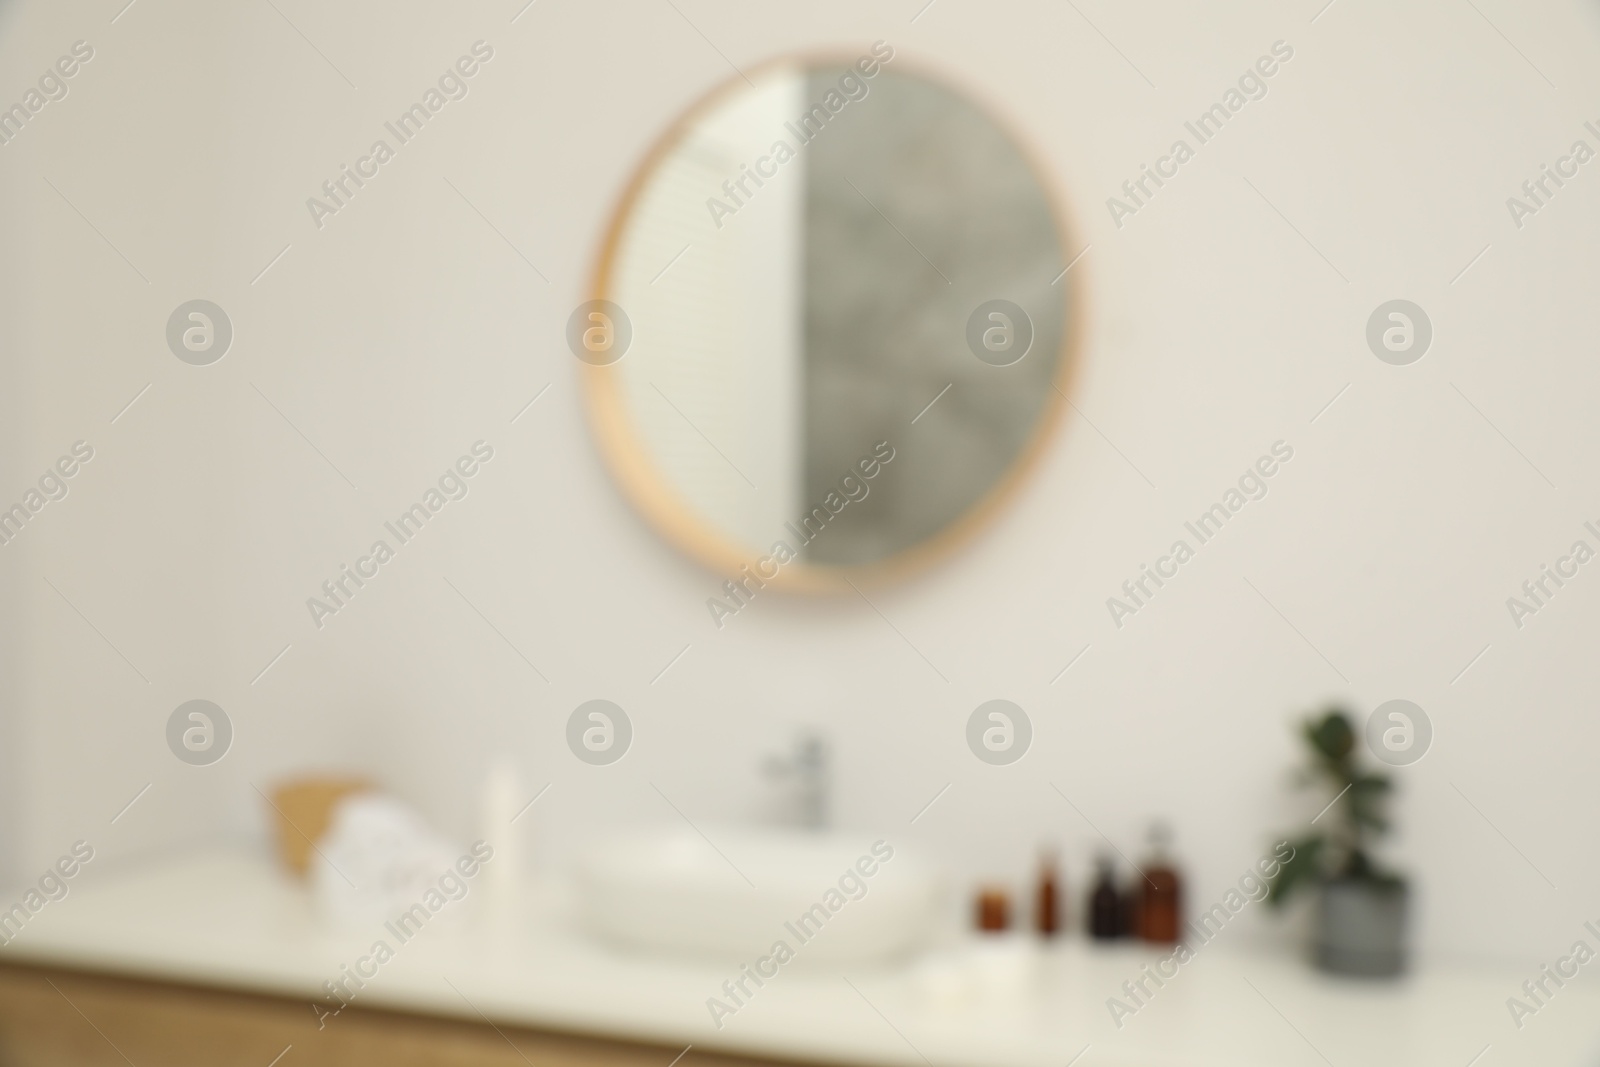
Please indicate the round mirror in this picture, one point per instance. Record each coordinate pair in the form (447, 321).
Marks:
(831, 322)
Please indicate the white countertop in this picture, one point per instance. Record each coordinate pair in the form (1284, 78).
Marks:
(234, 920)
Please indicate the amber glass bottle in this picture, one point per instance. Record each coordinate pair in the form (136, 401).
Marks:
(1047, 899)
(1160, 911)
(993, 910)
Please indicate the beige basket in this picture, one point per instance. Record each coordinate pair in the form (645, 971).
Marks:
(304, 808)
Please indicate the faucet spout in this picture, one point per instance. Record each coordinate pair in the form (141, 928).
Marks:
(804, 772)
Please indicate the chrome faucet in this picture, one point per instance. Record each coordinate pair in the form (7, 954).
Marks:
(804, 774)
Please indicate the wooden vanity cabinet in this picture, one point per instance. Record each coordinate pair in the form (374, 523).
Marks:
(62, 1018)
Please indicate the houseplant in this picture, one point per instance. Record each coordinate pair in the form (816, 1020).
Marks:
(1361, 909)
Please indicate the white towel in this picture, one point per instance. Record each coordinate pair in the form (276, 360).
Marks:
(378, 859)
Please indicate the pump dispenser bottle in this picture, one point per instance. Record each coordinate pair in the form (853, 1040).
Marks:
(1160, 911)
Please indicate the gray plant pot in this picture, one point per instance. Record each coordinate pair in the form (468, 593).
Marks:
(1361, 927)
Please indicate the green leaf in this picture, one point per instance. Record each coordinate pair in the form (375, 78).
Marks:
(1332, 736)
(1304, 867)
(1368, 795)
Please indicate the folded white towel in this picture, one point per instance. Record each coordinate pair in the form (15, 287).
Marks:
(378, 859)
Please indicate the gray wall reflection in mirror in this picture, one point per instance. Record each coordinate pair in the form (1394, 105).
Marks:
(775, 344)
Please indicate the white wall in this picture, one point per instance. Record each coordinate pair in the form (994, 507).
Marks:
(406, 329)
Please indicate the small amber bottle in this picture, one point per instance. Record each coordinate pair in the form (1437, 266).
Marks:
(993, 910)
(1160, 913)
(1047, 898)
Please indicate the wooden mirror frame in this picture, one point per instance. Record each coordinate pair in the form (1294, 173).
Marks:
(648, 490)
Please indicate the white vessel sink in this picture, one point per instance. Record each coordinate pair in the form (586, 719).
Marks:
(733, 893)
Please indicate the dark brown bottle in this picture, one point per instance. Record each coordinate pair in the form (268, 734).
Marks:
(1160, 913)
(1047, 899)
(1105, 903)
